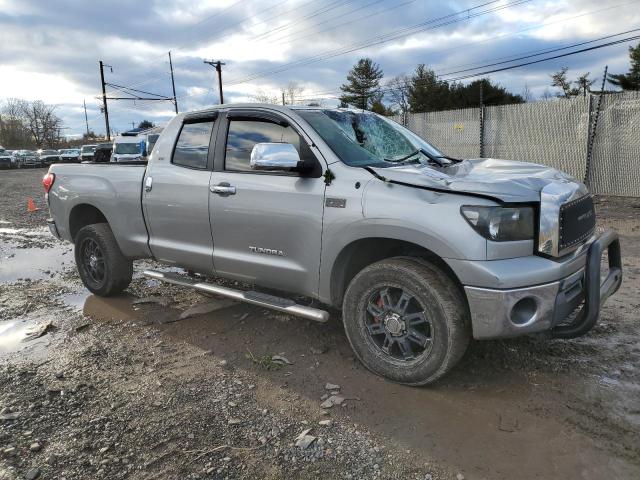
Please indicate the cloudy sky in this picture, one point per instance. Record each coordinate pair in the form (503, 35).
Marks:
(50, 49)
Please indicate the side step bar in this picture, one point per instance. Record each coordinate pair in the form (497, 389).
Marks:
(255, 298)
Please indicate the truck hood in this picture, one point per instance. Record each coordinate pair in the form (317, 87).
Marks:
(506, 180)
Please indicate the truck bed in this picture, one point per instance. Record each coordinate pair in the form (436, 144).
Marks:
(113, 189)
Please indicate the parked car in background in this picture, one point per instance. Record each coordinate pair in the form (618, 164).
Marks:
(5, 159)
(25, 158)
(70, 155)
(47, 157)
(103, 153)
(86, 153)
(129, 148)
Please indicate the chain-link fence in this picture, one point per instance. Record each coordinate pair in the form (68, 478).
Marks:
(459, 130)
(554, 133)
(615, 157)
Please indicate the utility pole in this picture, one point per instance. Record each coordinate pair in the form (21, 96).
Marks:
(86, 120)
(218, 66)
(283, 102)
(173, 84)
(133, 125)
(104, 99)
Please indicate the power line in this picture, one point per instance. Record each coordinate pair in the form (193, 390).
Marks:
(487, 40)
(289, 38)
(541, 52)
(488, 72)
(430, 24)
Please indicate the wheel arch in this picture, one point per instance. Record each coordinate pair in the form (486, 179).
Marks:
(360, 253)
(82, 215)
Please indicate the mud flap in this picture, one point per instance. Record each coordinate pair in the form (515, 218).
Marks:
(595, 291)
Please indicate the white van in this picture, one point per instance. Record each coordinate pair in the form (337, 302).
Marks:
(129, 148)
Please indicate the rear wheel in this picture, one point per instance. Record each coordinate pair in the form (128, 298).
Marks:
(103, 268)
(406, 320)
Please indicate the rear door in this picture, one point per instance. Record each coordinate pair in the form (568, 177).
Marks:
(176, 193)
(269, 231)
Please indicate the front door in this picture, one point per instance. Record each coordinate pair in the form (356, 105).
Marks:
(267, 226)
(176, 194)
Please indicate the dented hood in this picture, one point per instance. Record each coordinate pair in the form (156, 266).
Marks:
(506, 180)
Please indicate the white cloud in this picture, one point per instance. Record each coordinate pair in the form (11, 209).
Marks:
(48, 87)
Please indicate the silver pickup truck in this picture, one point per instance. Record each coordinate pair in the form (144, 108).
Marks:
(420, 251)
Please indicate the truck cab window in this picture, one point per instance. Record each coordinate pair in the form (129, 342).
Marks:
(192, 147)
(244, 134)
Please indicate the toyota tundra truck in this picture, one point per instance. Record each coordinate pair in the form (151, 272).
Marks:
(419, 251)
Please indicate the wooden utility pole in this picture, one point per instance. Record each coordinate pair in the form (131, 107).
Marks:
(86, 120)
(104, 100)
(218, 66)
(173, 84)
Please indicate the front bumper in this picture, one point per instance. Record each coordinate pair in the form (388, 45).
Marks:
(545, 308)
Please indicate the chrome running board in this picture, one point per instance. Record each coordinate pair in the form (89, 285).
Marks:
(255, 298)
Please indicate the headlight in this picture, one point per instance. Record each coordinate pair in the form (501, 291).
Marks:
(500, 224)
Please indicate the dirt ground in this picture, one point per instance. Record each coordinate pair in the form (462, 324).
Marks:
(128, 387)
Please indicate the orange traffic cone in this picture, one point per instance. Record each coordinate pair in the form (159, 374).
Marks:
(31, 205)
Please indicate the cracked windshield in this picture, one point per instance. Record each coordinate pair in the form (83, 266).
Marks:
(363, 139)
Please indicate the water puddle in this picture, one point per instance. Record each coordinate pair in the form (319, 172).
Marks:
(32, 263)
(75, 300)
(129, 308)
(24, 338)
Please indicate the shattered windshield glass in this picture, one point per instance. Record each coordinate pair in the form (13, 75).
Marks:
(365, 139)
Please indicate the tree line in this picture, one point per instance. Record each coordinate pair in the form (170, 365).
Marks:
(29, 124)
(423, 91)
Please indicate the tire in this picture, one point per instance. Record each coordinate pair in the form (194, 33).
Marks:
(104, 270)
(406, 320)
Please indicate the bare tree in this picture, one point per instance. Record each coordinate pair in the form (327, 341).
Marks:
(29, 124)
(547, 95)
(584, 83)
(559, 79)
(292, 93)
(526, 94)
(399, 92)
(263, 97)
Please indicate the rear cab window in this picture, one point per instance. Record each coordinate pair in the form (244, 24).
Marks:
(192, 147)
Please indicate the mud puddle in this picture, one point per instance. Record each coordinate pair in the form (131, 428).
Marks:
(32, 263)
(31, 254)
(25, 338)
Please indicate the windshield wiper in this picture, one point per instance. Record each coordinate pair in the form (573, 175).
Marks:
(446, 157)
(402, 159)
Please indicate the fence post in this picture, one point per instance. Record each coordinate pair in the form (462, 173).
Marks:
(592, 130)
(481, 123)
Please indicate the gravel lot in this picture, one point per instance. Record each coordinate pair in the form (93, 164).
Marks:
(168, 383)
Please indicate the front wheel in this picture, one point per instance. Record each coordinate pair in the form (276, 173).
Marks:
(406, 320)
(103, 268)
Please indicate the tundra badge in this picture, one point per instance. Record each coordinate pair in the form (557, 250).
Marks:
(267, 251)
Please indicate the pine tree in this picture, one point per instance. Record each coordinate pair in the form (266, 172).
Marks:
(363, 86)
(630, 80)
(426, 92)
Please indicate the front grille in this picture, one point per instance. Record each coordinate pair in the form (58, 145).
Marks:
(577, 222)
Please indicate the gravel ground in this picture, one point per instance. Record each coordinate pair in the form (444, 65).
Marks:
(167, 383)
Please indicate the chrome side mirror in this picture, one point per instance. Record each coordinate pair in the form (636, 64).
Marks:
(274, 156)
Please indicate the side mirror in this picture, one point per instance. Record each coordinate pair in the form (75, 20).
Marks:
(275, 156)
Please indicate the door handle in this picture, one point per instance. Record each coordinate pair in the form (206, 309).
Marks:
(148, 184)
(223, 189)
